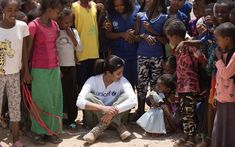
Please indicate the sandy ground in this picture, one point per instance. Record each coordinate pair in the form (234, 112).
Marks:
(107, 139)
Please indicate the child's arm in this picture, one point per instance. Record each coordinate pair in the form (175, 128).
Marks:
(128, 35)
(198, 55)
(25, 59)
(160, 38)
(153, 103)
(228, 71)
(73, 35)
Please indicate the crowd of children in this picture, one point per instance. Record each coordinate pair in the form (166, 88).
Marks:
(188, 61)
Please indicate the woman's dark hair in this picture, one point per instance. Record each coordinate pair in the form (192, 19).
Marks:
(53, 4)
(175, 27)
(168, 80)
(4, 3)
(111, 64)
(65, 12)
(129, 6)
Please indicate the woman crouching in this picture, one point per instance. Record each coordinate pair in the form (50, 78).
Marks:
(107, 98)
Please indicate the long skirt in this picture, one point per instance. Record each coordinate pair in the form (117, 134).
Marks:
(223, 134)
(47, 95)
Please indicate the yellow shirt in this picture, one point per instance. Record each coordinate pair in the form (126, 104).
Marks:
(86, 24)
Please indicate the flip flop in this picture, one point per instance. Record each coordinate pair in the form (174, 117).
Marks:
(38, 140)
(54, 139)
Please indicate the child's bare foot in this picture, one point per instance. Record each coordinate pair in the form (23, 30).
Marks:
(190, 142)
(180, 142)
(202, 144)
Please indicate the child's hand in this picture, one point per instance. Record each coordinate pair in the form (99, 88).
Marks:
(107, 25)
(201, 28)
(156, 105)
(148, 27)
(151, 40)
(129, 36)
(208, 20)
(27, 78)
(100, 7)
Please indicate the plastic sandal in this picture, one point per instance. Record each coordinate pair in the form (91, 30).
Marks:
(38, 140)
(54, 139)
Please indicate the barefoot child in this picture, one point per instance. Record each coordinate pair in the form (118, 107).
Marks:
(224, 130)
(159, 118)
(68, 43)
(187, 59)
(13, 35)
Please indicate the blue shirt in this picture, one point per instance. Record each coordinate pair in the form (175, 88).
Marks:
(156, 50)
(120, 47)
(184, 18)
(186, 9)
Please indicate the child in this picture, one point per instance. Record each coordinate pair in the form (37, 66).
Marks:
(174, 12)
(159, 118)
(223, 131)
(150, 51)
(221, 12)
(67, 43)
(122, 35)
(46, 83)
(13, 35)
(187, 59)
(85, 15)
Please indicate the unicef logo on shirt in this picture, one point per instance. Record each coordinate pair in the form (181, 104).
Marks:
(115, 24)
(106, 94)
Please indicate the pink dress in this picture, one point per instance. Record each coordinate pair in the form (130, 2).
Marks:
(45, 53)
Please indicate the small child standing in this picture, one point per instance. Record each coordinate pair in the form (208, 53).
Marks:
(67, 44)
(187, 58)
(224, 130)
(159, 118)
(13, 35)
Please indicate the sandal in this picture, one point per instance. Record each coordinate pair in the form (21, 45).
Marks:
(18, 144)
(189, 144)
(73, 129)
(179, 142)
(54, 139)
(38, 140)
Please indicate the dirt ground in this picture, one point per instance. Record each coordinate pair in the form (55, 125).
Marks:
(107, 139)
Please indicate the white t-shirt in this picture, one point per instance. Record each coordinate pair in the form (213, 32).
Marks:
(11, 43)
(66, 48)
(108, 95)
